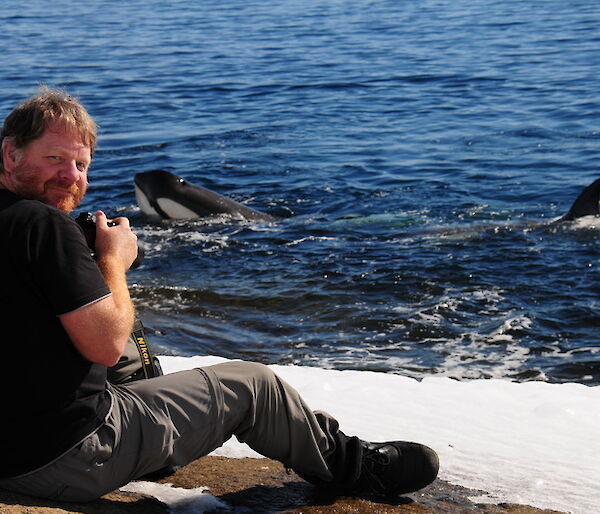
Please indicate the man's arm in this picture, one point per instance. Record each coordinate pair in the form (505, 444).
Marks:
(100, 330)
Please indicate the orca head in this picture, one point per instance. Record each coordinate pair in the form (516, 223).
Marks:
(160, 193)
(163, 194)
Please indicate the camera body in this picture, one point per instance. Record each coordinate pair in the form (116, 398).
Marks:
(87, 222)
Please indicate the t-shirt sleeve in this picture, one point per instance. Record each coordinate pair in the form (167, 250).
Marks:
(65, 270)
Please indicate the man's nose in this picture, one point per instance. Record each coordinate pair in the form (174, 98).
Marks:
(69, 172)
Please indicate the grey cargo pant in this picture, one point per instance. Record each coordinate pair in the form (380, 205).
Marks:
(173, 419)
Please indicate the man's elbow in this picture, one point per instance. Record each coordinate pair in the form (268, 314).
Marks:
(97, 332)
(109, 360)
(107, 356)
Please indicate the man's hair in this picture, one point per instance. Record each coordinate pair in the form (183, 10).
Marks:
(30, 119)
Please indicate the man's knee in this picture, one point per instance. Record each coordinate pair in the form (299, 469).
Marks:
(262, 376)
(251, 375)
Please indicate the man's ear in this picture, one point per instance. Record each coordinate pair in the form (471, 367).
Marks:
(10, 154)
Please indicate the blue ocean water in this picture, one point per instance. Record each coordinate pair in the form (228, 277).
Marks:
(416, 151)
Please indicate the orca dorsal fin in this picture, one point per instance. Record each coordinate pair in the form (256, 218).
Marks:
(586, 203)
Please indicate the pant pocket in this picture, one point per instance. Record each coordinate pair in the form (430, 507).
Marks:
(86, 471)
(93, 451)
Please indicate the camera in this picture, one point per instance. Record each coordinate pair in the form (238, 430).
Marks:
(87, 222)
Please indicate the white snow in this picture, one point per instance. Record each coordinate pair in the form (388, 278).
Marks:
(533, 443)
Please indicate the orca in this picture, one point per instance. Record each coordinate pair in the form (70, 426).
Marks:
(161, 193)
(586, 203)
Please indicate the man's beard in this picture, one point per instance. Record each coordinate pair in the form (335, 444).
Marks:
(52, 192)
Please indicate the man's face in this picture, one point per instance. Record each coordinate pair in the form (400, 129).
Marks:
(51, 169)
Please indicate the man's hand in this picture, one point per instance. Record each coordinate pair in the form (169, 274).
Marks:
(116, 241)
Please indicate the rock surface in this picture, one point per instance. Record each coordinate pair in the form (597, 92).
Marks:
(263, 486)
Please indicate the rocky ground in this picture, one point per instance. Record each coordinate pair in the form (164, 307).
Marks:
(263, 486)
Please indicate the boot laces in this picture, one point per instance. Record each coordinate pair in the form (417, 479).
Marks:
(372, 471)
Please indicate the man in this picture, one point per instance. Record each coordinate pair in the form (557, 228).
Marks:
(69, 434)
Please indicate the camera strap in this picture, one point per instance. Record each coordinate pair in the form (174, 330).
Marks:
(149, 363)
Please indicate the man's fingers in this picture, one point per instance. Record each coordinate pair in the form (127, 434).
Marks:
(100, 218)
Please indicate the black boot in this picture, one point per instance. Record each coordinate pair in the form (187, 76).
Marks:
(361, 468)
(394, 468)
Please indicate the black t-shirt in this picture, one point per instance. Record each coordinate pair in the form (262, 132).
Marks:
(52, 397)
